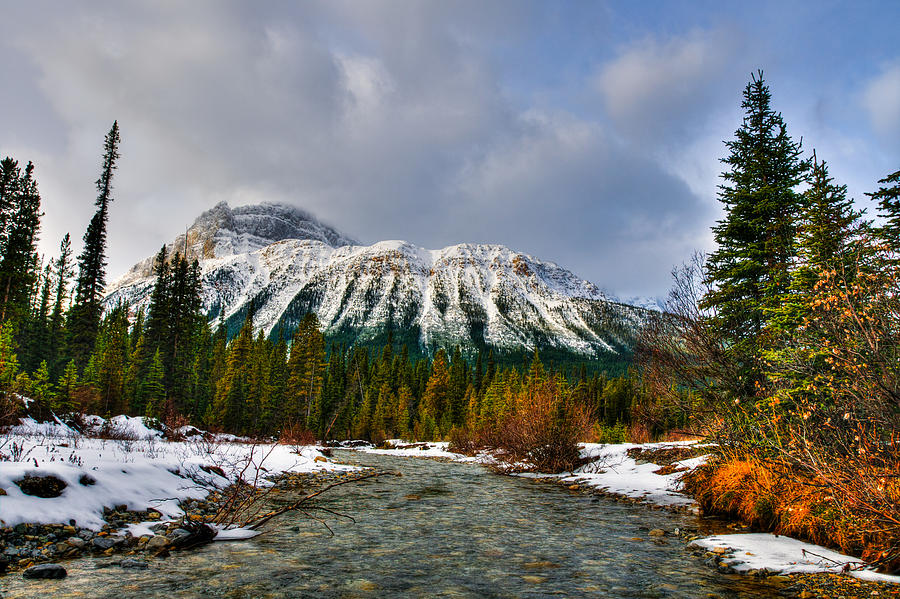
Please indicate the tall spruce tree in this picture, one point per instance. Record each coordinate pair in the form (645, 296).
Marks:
(62, 272)
(20, 215)
(749, 272)
(84, 317)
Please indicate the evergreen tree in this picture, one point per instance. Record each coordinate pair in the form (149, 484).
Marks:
(888, 198)
(749, 270)
(135, 378)
(62, 271)
(9, 362)
(37, 328)
(20, 214)
(435, 412)
(111, 361)
(84, 317)
(306, 368)
(67, 389)
(153, 390)
(232, 391)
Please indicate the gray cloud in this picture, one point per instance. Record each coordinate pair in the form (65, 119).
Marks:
(660, 88)
(388, 122)
(881, 100)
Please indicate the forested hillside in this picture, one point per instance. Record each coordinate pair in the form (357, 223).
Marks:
(69, 352)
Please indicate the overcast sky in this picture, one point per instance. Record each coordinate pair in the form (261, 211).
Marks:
(586, 133)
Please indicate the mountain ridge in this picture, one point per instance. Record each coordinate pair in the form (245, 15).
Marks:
(471, 295)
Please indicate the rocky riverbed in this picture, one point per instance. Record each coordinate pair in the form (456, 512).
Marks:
(25, 545)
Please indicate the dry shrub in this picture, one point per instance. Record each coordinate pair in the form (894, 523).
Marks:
(173, 423)
(110, 431)
(544, 429)
(470, 440)
(296, 435)
(9, 410)
(638, 432)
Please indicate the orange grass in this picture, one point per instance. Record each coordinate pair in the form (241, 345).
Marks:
(776, 498)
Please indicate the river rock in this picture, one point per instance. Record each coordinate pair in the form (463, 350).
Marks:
(76, 542)
(157, 542)
(51, 571)
(179, 534)
(44, 486)
(104, 543)
(657, 532)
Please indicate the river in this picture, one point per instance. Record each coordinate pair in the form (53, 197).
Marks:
(440, 530)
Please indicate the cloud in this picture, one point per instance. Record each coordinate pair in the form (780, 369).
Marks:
(659, 88)
(881, 99)
(624, 219)
(388, 121)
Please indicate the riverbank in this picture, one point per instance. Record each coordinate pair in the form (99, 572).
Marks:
(66, 493)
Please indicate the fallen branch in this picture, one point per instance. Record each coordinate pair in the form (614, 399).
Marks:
(299, 503)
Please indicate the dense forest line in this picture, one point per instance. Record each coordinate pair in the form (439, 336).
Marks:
(63, 352)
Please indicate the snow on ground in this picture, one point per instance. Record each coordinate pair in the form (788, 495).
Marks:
(777, 553)
(612, 470)
(431, 449)
(143, 473)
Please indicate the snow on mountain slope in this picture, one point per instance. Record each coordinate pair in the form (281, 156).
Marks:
(468, 294)
(223, 231)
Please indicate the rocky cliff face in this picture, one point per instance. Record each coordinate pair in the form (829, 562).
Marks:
(288, 264)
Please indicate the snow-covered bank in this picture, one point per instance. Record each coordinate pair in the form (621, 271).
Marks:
(142, 473)
(611, 469)
(779, 554)
(431, 449)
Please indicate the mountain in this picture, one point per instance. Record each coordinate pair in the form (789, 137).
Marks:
(223, 231)
(475, 296)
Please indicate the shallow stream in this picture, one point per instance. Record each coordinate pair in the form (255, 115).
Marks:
(441, 530)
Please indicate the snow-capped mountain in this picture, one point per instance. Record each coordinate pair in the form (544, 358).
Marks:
(288, 264)
(223, 231)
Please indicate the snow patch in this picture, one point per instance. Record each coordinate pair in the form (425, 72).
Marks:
(142, 473)
(613, 470)
(785, 555)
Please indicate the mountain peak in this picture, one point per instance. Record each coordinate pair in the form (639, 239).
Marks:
(225, 231)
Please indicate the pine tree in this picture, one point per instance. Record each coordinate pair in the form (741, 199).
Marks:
(84, 317)
(230, 403)
(111, 361)
(153, 390)
(135, 377)
(888, 198)
(36, 337)
(436, 401)
(62, 271)
(306, 367)
(9, 362)
(20, 215)
(749, 270)
(67, 389)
